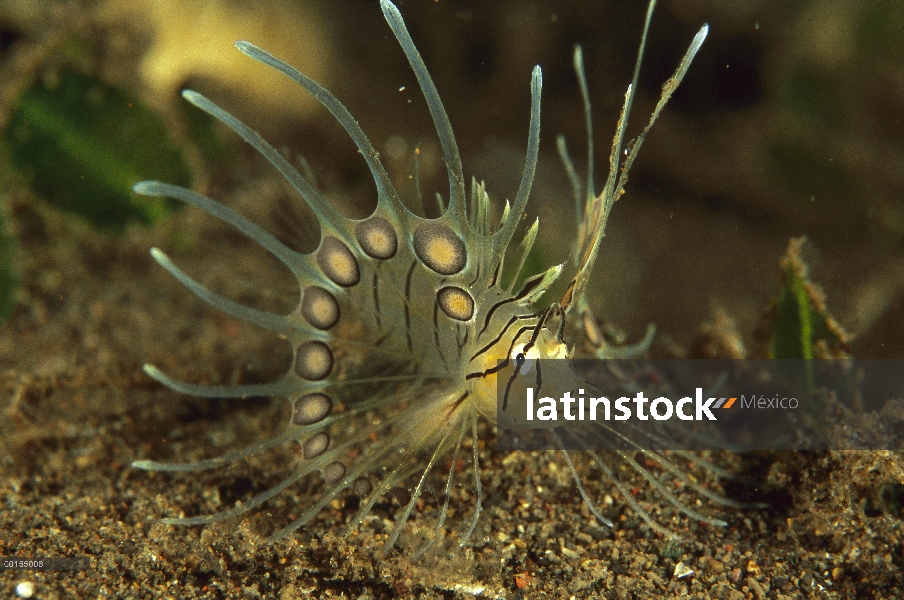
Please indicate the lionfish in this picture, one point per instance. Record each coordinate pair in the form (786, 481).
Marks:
(437, 319)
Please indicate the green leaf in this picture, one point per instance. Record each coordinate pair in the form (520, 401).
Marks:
(82, 145)
(802, 325)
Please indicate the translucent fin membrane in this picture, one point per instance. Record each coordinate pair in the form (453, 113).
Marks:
(323, 211)
(524, 250)
(405, 452)
(578, 62)
(575, 182)
(440, 119)
(387, 195)
(218, 462)
(277, 388)
(513, 217)
(293, 260)
(625, 493)
(264, 320)
(594, 211)
(437, 453)
(478, 487)
(441, 521)
(668, 88)
(629, 350)
(242, 508)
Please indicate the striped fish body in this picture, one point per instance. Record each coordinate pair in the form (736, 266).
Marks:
(406, 326)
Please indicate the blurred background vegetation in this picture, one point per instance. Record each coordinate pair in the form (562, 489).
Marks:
(790, 123)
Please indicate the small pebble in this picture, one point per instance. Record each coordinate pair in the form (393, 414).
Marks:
(26, 589)
(682, 570)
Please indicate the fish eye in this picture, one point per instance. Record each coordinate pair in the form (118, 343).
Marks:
(525, 363)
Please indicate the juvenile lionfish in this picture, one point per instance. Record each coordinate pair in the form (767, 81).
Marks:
(395, 402)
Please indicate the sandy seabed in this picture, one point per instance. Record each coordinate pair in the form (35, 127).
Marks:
(78, 410)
